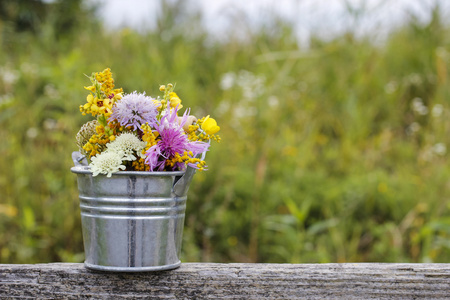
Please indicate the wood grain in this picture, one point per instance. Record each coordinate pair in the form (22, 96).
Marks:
(230, 281)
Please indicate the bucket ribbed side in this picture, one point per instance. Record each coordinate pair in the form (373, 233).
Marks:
(127, 208)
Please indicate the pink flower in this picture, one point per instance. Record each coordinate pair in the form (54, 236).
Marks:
(172, 140)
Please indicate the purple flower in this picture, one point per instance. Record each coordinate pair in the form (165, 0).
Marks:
(172, 140)
(133, 110)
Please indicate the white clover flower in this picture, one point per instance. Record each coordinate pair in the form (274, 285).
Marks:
(127, 144)
(106, 163)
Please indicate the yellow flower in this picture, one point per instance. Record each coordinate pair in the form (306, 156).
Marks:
(91, 106)
(209, 125)
(117, 94)
(90, 99)
(100, 129)
(90, 88)
(103, 95)
(94, 108)
(175, 100)
(105, 80)
(149, 137)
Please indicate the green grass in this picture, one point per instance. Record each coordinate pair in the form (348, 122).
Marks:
(323, 157)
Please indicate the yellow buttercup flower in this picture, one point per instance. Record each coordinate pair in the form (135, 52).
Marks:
(209, 125)
(175, 100)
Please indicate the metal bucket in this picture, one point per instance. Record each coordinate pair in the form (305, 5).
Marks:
(132, 221)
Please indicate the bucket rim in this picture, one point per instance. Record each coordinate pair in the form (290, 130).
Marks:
(87, 170)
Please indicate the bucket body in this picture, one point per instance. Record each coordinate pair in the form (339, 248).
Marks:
(131, 221)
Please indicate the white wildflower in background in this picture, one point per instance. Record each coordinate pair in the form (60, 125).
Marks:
(32, 132)
(50, 124)
(432, 151)
(29, 69)
(437, 110)
(440, 149)
(227, 81)
(106, 163)
(391, 87)
(414, 78)
(8, 76)
(127, 144)
(418, 106)
(273, 101)
(413, 128)
(252, 85)
(51, 92)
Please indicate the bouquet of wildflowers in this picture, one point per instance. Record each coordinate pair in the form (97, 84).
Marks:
(136, 132)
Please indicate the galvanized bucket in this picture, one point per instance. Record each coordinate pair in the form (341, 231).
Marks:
(132, 221)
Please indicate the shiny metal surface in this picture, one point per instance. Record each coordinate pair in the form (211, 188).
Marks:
(132, 221)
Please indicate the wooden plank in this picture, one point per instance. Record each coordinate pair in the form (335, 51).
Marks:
(231, 281)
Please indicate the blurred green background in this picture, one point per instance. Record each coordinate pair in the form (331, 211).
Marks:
(335, 152)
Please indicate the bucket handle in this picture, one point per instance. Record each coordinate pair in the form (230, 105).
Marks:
(79, 159)
(181, 186)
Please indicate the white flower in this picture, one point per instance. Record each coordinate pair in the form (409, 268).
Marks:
(9, 76)
(413, 128)
(419, 107)
(227, 81)
(273, 101)
(437, 110)
(106, 163)
(440, 149)
(127, 144)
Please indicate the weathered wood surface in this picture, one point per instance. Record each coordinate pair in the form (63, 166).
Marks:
(231, 281)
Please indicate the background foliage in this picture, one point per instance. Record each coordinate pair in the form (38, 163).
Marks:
(336, 153)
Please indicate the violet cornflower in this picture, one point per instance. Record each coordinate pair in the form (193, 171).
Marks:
(133, 110)
(172, 140)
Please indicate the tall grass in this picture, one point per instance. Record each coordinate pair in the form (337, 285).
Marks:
(336, 153)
